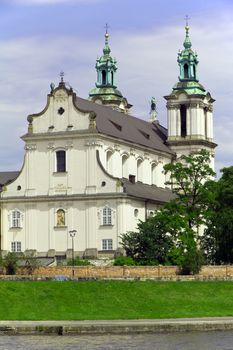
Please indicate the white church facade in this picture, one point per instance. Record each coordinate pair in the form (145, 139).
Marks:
(91, 167)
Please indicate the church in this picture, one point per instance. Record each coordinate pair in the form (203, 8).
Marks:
(91, 170)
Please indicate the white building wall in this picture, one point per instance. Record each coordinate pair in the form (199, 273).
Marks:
(39, 190)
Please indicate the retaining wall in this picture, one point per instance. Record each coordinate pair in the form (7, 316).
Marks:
(134, 272)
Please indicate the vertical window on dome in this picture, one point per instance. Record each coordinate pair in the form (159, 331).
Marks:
(61, 161)
(112, 78)
(186, 71)
(183, 120)
(194, 72)
(104, 77)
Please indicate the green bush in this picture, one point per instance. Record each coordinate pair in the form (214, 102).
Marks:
(10, 263)
(146, 262)
(78, 262)
(192, 263)
(124, 260)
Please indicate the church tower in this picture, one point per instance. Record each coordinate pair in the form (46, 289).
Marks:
(189, 107)
(106, 91)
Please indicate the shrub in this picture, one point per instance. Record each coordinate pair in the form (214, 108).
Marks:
(31, 262)
(124, 260)
(192, 263)
(78, 262)
(10, 263)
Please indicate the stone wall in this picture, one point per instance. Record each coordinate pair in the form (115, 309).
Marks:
(125, 271)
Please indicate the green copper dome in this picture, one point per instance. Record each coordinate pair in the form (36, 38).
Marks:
(106, 89)
(188, 61)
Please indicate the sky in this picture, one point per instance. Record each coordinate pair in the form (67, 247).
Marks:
(41, 38)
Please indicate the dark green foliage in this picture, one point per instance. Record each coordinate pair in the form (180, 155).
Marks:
(218, 238)
(188, 180)
(171, 235)
(78, 262)
(124, 260)
(150, 243)
(10, 262)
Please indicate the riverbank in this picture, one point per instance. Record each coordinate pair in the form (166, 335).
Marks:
(116, 326)
(113, 300)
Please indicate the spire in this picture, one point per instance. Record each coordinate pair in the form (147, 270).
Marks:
(106, 90)
(187, 59)
(106, 49)
(187, 43)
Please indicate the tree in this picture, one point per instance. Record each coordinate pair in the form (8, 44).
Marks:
(188, 180)
(172, 235)
(218, 236)
(151, 243)
(10, 262)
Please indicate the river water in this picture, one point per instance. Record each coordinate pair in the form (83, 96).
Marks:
(171, 341)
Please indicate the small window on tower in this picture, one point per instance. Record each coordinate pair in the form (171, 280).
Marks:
(183, 119)
(186, 71)
(112, 78)
(104, 77)
(194, 72)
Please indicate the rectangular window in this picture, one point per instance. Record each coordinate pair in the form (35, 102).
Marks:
(16, 219)
(61, 161)
(107, 244)
(107, 216)
(16, 247)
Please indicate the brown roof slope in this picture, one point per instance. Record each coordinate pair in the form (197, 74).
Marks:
(126, 127)
(148, 192)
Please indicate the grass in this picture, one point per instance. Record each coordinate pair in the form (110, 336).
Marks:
(93, 300)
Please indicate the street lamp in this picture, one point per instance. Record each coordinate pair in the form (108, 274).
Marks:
(72, 235)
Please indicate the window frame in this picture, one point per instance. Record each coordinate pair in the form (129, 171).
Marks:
(16, 246)
(107, 244)
(61, 210)
(60, 163)
(16, 218)
(107, 217)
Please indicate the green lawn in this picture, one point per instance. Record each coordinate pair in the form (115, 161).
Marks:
(95, 300)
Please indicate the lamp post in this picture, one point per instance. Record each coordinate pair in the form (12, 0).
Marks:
(72, 235)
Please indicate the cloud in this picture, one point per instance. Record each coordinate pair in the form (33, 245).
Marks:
(147, 67)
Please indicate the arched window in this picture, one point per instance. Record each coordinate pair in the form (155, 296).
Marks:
(109, 161)
(183, 120)
(139, 170)
(186, 71)
(61, 161)
(112, 76)
(103, 77)
(107, 216)
(124, 166)
(153, 174)
(61, 217)
(16, 219)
